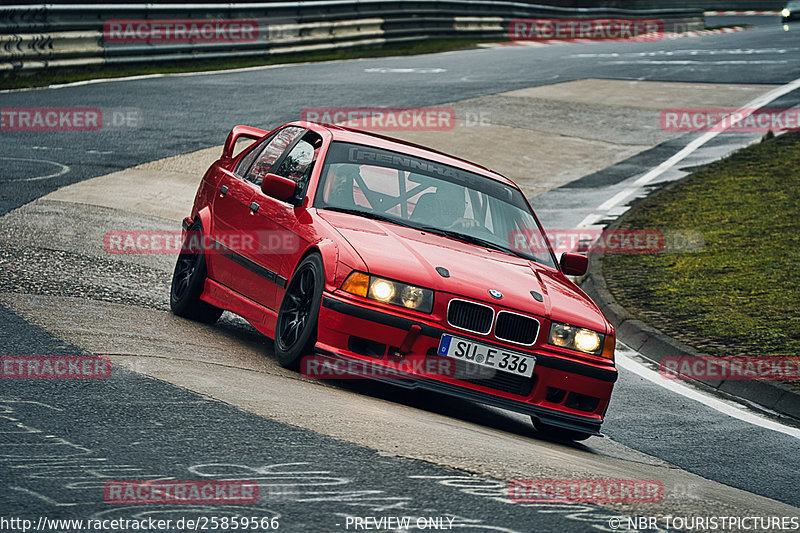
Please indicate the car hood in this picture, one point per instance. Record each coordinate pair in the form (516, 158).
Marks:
(412, 256)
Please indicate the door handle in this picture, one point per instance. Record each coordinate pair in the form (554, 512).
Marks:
(223, 190)
(254, 207)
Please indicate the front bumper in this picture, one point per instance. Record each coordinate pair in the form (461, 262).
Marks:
(562, 392)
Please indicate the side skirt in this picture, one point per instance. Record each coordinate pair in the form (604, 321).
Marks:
(262, 318)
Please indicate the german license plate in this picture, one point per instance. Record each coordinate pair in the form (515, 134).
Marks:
(497, 358)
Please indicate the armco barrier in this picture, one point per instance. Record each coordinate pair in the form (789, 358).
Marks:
(54, 35)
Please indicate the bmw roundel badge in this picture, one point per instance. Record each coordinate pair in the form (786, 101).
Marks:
(496, 294)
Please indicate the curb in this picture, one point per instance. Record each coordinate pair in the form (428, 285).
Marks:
(655, 345)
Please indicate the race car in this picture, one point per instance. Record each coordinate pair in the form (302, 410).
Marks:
(396, 262)
(791, 11)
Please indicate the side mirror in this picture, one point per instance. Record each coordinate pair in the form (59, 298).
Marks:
(574, 264)
(278, 187)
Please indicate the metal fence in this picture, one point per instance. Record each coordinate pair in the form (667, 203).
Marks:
(54, 36)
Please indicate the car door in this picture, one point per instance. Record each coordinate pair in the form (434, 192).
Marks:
(259, 227)
(229, 207)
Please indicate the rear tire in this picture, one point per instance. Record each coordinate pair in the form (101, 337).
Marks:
(188, 280)
(296, 327)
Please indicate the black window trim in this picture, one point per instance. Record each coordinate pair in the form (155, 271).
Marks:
(257, 147)
(285, 154)
(265, 142)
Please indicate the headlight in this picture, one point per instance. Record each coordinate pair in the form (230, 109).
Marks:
(785, 13)
(382, 290)
(390, 292)
(575, 338)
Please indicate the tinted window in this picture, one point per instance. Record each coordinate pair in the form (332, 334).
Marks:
(298, 164)
(269, 154)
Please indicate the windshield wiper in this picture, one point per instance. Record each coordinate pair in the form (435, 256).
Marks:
(431, 229)
(372, 215)
(472, 240)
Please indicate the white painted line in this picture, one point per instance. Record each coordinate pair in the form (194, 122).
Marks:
(590, 220)
(166, 75)
(408, 70)
(731, 409)
(617, 198)
(63, 169)
(744, 112)
(728, 408)
(692, 52)
(697, 62)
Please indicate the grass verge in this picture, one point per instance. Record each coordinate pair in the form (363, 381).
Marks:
(740, 295)
(43, 78)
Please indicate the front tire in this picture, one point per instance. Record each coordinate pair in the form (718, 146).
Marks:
(188, 280)
(296, 327)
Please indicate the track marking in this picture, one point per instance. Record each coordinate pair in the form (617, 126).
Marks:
(731, 409)
(727, 408)
(62, 170)
(617, 198)
(409, 70)
(589, 220)
(164, 75)
(695, 62)
(695, 52)
(743, 112)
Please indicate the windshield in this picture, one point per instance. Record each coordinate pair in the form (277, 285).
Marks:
(431, 196)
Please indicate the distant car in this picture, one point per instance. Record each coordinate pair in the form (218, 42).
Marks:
(349, 246)
(791, 11)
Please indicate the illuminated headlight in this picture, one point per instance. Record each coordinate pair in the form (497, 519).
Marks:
(785, 13)
(382, 290)
(389, 292)
(575, 338)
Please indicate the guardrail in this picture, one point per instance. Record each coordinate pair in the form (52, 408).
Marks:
(54, 36)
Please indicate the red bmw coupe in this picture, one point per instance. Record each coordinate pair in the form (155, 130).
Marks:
(348, 246)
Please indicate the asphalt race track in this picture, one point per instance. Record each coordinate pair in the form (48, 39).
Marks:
(574, 123)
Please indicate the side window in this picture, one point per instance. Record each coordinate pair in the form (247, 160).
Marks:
(247, 161)
(270, 154)
(298, 164)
